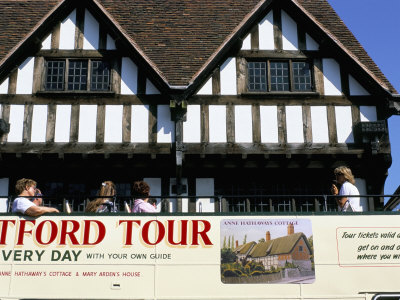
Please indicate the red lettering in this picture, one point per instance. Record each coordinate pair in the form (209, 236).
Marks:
(22, 232)
(183, 241)
(160, 232)
(64, 232)
(128, 235)
(4, 226)
(203, 233)
(101, 233)
(53, 232)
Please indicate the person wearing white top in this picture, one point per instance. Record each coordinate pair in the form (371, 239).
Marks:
(345, 178)
(27, 188)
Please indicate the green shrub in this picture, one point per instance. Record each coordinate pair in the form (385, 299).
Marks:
(239, 272)
(229, 273)
(256, 273)
(247, 269)
(290, 265)
(259, 267)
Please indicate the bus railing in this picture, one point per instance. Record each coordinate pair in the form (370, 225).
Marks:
(212, 203)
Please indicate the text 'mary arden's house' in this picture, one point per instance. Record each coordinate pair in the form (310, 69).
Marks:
(198, 98)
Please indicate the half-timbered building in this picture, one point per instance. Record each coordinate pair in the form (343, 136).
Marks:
(199, 98)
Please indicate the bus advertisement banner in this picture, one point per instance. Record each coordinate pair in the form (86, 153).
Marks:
(199, 256)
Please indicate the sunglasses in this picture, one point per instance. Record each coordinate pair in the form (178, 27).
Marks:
(338, 174)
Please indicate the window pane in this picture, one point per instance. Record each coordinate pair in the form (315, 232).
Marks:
(77, 75)
(257, 81)
(302, 76)
(100, 77)
(55, 75)
(279, 76)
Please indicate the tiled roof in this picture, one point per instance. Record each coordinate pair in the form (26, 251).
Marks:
(178, 36)
(327, 17)
(281, 245)
(243, 249)
(18, 18)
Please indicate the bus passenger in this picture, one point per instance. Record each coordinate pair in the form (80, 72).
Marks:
(101, 205)
(345, 178)
(30, 207)
(141, 192)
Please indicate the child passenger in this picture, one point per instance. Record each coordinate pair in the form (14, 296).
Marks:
(141, 192)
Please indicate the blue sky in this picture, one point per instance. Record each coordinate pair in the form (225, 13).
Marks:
(376, 25)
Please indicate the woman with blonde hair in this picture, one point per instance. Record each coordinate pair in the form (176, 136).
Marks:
(345, 178)
(103, 204)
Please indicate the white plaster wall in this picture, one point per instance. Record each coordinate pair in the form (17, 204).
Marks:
(140, 124)
(368, 114)
(319, 124)
(113, 124)
(344, 124)
(151, 89)
(205, 187)
(39, 124)
(269, 124)
(67, 32)
(311, 44)
(90, 32)
(25, 76)
(87, 124)
(289, 33)
(46, 43)
(63, 124)
(228, 77)
(129, 75)
(332, 82)
(362, 188)
(165, 127)
(16, 123)
(4, 87)
(217, 123)
(356, 88)
(4, 183)
(185, 201)
(294, 124)
(110, 43)
(155, 189)
(266, 32)
(246, 45)
(192, 126)
(243, 124)
(206, 89)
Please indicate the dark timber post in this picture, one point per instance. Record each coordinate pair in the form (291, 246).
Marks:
(178, 113)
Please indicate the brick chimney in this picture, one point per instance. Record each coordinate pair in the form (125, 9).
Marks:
(237, 243)
(267, 236)
(290, 229)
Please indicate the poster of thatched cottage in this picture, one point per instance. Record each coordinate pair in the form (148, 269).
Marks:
(267, 251)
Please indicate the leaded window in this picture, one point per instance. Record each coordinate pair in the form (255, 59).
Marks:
(77, 75)
(302, 76)
(279, 76)
(257, 76)
(100, 77)
(55, 75)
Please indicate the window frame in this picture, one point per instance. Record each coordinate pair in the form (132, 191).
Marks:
(89, 75)
(291, 75)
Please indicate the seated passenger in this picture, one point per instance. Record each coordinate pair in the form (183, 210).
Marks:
(101, 205)
(345, 179)
(30, 207)
(141, 192)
